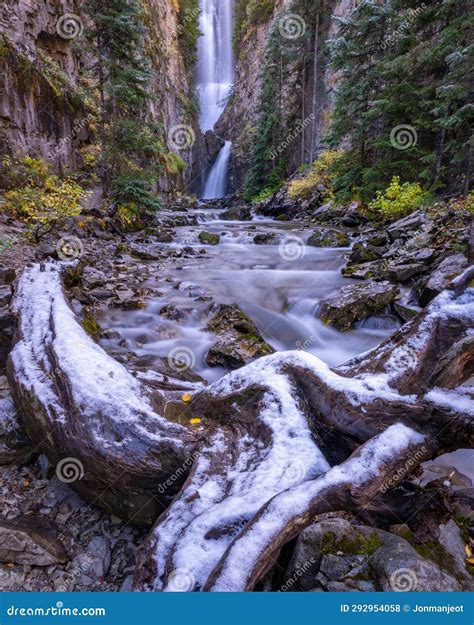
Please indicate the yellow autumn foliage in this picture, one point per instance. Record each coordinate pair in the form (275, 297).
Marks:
(320, 174)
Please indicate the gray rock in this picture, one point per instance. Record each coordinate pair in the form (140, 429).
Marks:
(363, 253)
(406, 225)
(329, 238)
(94, 564)
(451, 540)
(30, 540)
(446, 271)
(5, 295)
(337, 567)
(239, 341)
(398, 567)
(405, 311)
(356, 302)
(376, 269)
(7, 275)
(404, 273)
(241, 213)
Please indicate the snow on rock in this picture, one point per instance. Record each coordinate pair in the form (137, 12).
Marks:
(247, 547)
(99, 385)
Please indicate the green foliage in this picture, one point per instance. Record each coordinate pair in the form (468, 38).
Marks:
(321, 173)
(188, 30)
(130, 144)
(402, 63)
(398, 199)
(44, 201)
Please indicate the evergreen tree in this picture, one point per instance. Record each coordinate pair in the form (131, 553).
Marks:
(404, 63)
(130, 142)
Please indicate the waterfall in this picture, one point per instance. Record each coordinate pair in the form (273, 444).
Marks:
(216, 183)
(214, 78)
(215, 69)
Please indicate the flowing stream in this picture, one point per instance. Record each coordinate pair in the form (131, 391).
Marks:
(215, 75)
(279, 291)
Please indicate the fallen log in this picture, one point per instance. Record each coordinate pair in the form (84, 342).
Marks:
(284, 422)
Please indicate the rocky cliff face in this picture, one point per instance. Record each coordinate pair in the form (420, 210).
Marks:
(43, 108)
(240, 120)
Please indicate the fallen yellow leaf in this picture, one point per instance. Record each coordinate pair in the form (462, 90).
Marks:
(187, 397)
(468, 550)
(195, 421)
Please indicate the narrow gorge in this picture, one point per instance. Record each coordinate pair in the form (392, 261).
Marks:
(236, 296)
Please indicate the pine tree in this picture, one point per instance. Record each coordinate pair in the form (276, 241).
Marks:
(130, 142)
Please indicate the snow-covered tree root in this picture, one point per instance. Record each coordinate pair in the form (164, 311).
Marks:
(261, 468)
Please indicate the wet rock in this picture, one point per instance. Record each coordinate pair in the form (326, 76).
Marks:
(30, 540)
(239, 213)
(404, 273)
(239, 341)
(209, 238)
(376, 269)
(446, 271)
(336, 567)
(405, 311)
(357, 302)
(363, 253)
(397, 566)
(329, 238)
(6, 320)
(406, 225)
(265, 238)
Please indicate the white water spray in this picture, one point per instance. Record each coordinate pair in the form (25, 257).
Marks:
(215, 75)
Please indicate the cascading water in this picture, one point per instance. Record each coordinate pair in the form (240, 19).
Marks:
(216, 183)
(215, 70)
(215, 75)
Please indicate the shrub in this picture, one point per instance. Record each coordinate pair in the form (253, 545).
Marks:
(44, 201)
(321, 174)
(398, 199)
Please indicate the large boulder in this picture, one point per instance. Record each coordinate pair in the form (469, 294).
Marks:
(239, 341)
(329, 238)
(336, 555)
(30, 540)
(397, 566)
(239, 213)
(356, 302)
(364, 253)
(404, 227)
(209, 238)
(448, 269)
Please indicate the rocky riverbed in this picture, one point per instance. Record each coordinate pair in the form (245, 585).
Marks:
(206, 289)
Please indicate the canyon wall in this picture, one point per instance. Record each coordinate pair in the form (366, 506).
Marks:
(43, 103)
(241, 118)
